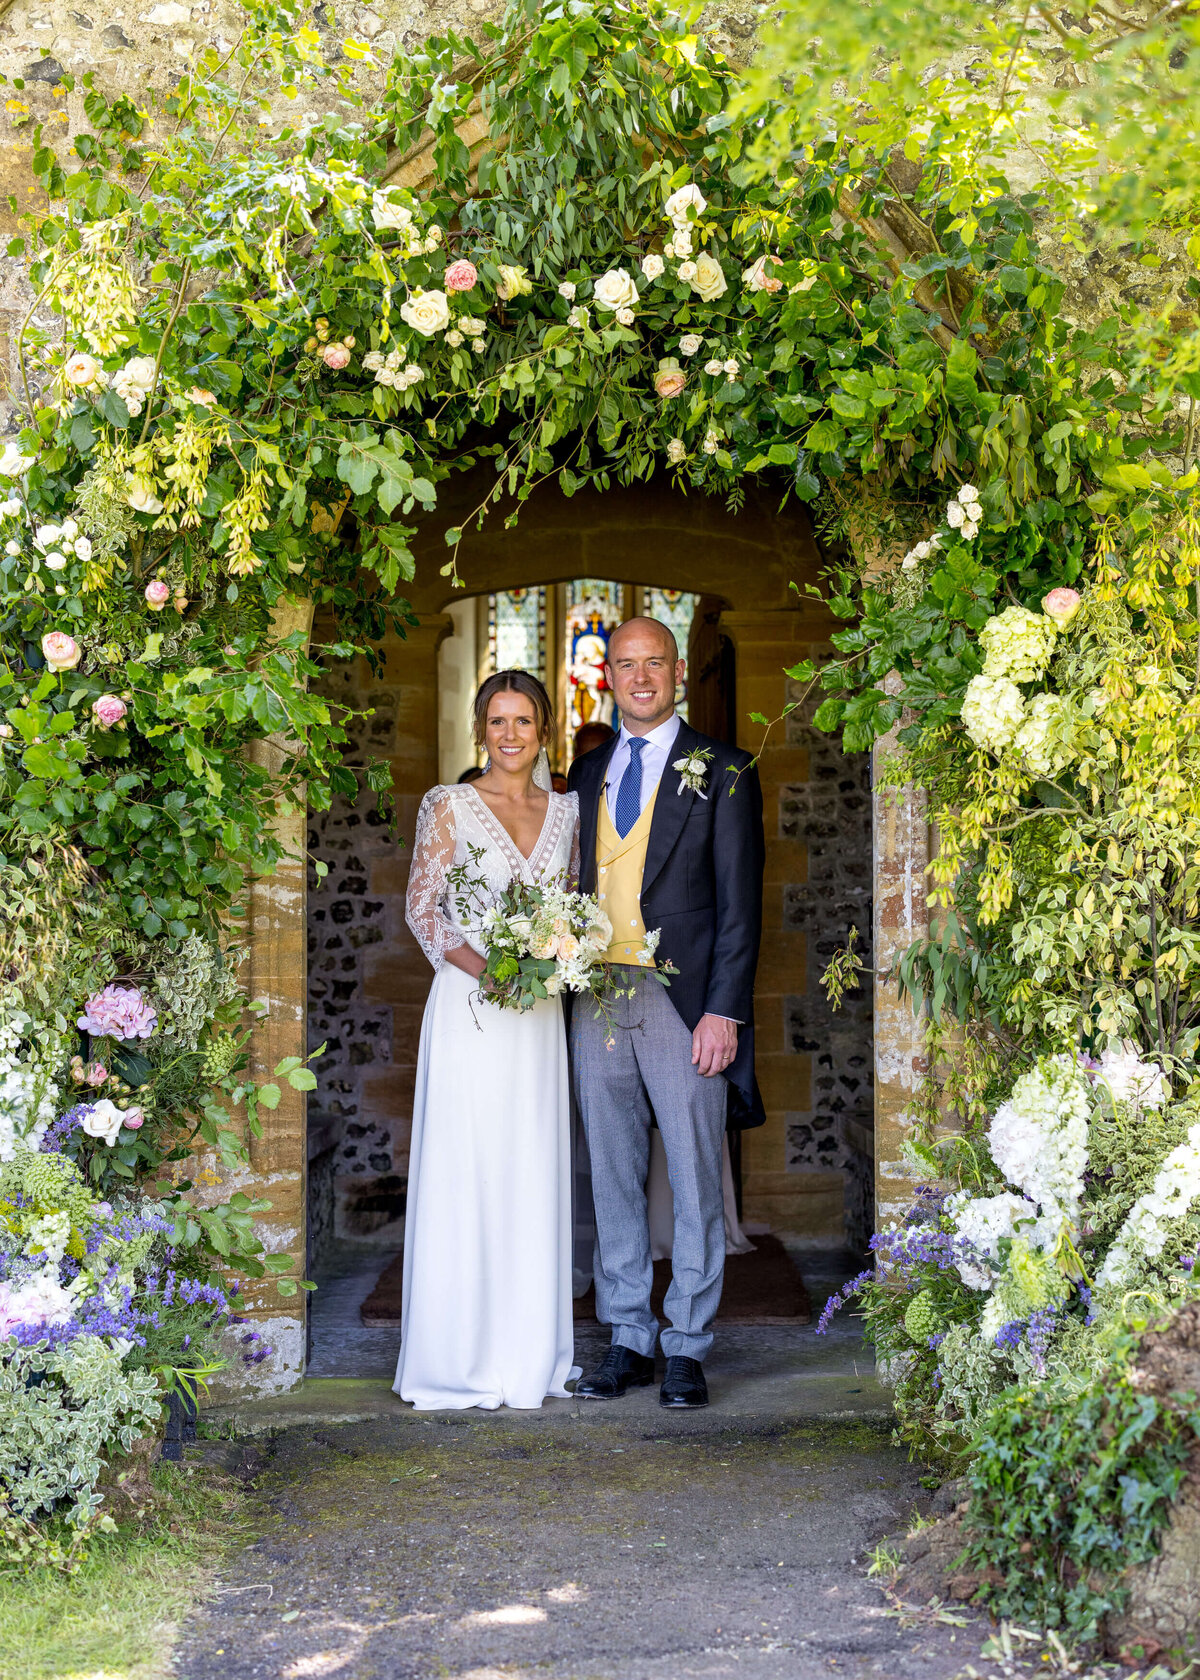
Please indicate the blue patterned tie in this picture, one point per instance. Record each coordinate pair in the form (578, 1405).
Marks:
(629, 794)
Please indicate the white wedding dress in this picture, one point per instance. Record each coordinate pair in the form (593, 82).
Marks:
(487, 1309)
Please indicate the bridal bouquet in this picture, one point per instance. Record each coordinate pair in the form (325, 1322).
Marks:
(543, 940)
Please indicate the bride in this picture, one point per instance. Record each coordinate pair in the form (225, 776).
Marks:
(487, 1310)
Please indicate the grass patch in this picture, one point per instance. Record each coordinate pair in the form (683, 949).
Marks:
(117, 1618)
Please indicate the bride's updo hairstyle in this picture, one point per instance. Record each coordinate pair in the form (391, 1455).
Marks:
(515, 682)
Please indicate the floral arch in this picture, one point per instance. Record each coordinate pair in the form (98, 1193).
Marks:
(249, 372)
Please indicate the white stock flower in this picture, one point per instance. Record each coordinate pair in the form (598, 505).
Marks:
(615, 290)
(992, 712)
(682, 200)
(652, 265)
(1038, 1138)
(1144, 1234)
(709, 281)
(1130, 1079)
(426, 313)
(689, 344)
(1017, 644)
(983, 1221)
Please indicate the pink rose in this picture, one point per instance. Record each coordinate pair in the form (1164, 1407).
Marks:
(108, 711)
(670, 379)
(1061, 605)
(95, 1073)
(62, 652)
(336, 356)
(461, 276)
(158, 594)
(132, 1118)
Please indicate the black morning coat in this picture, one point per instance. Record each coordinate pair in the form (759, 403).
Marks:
(702, 886)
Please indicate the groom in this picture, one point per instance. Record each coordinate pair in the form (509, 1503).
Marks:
(681, 852)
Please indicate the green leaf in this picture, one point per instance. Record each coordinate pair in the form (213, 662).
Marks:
(269, 1096)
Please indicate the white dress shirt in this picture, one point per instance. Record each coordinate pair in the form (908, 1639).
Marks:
(656, 756)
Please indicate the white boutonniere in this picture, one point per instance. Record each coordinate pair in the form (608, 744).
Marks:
(693, 770)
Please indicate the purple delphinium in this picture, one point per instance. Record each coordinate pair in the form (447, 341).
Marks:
(1085, 1295)
(1041, 1328)
(839, 1300)
(58, 1131)
(1009, 1335)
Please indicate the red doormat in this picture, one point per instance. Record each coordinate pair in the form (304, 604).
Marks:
(760, 1288)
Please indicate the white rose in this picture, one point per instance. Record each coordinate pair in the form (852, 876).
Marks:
(713, 367)
(709, 279)
(103, 1120)
(567, 290)
(140, 495)
(69, 529)
(712, 442)
(689, 344)
(387, 213)
(472, 326)
(733, 367)
(83, 370)
(687, 270)
(47, 535)
(578, 316)
(454, 338)
(683, 199)
(55, 561)
(13, 463)
(652, 265)
(615, 290)
(676, 451)
(83, 548)
(426, 313)
(955, 514)
(138, 374)
(625, 317)
(669, 248)
(682, 242)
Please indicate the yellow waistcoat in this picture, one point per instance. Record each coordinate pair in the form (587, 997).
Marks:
(620, 865)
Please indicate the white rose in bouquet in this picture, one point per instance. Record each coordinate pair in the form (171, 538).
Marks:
(709, 280)
(426, 313)
(685, 198)
(615, 290)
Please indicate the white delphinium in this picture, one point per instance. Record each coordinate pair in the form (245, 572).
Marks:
(1130, 1079)
(982, 1221)
(48, 1237)
(1038, 1139)
(992, 712)
(1040, 738)
(1143, 1235)
(1017, 644)
(28, 1095)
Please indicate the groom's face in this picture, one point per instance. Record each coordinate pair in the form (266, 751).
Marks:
(643, 673)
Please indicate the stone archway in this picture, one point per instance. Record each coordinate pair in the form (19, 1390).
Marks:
(809, 1169)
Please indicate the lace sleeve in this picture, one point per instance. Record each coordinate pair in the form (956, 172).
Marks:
(576, 859)
(433, 857)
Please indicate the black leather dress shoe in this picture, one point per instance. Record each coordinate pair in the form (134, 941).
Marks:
(620, 1369)
(684, 1384)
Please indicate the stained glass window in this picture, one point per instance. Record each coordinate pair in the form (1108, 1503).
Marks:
(595, 606)
(675, 608)
(517, 631)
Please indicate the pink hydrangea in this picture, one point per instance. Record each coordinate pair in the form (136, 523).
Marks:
(39, 1300)
(118, 1012)
(109, 710)
(336, 356)
(158, 594)
(461, 276)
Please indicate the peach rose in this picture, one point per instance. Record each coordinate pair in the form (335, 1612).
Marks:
(336, 356)
(1061, 605)
(461, 276)
(670, 379)
(158, 594)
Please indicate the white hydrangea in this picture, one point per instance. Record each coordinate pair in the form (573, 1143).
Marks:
(1017, 644)
(1040, 738)
(1143, 1235)
(1038, 1139)
(1130, 1079)
(983, 1221)
(992, 712)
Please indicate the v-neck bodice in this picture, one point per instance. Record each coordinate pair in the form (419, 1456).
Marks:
(457, 829)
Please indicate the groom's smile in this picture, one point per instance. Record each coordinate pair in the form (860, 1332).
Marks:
(644, 670)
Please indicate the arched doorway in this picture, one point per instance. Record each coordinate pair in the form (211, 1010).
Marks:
(808, 1171)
